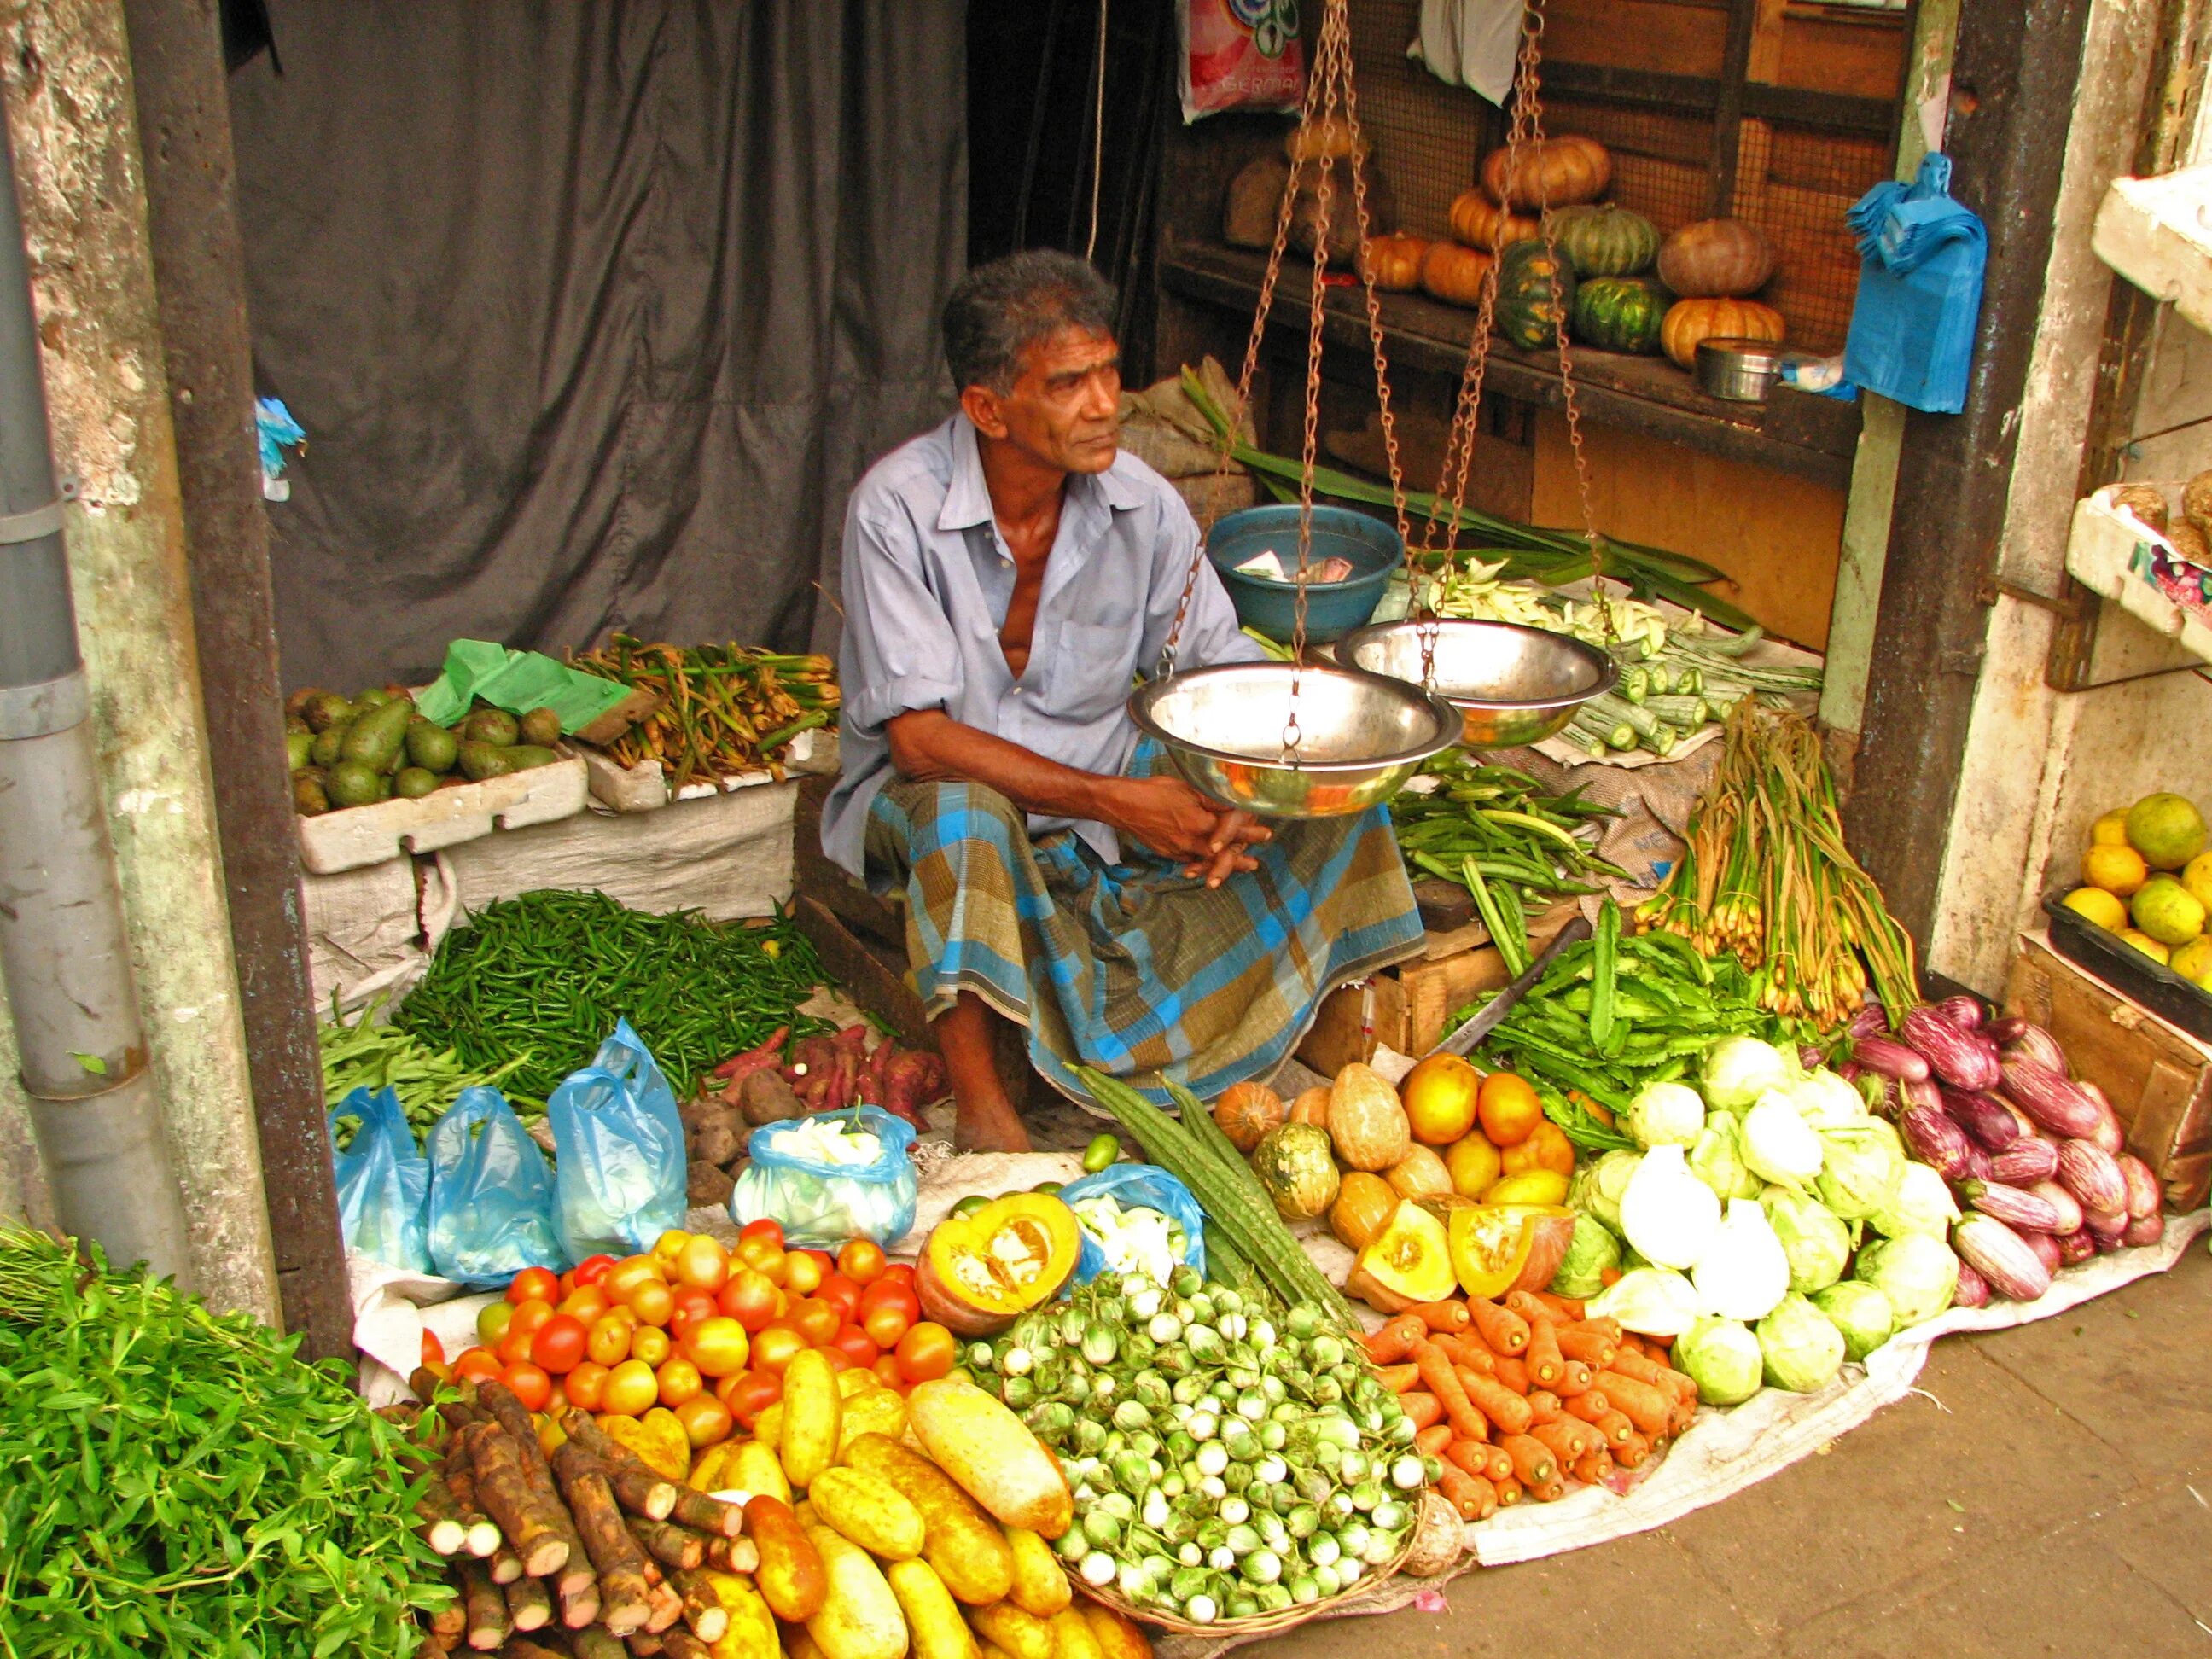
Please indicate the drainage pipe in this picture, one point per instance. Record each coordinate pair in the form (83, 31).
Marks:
(64, 952)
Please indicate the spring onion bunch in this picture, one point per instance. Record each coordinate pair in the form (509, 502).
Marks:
(1229, 1457)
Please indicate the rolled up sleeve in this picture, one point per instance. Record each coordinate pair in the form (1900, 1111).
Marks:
(1211, 633)
(898, 652)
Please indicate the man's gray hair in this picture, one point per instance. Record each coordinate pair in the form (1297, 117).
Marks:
(999, 310)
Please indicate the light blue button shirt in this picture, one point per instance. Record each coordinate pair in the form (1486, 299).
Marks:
(927, 579)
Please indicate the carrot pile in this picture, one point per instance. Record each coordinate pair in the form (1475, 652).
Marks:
(1518, 1397)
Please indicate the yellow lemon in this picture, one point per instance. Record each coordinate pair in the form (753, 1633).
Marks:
(2193, 961)
(2118, 870)
(2166, 830)
(2099, 907)
(2197, 876)
(2110, 830)
(2144, 943)
(2163, 909)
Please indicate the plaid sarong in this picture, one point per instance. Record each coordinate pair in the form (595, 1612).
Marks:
(1134, 969)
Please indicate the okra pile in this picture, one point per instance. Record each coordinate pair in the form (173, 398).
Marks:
(1229, 1457)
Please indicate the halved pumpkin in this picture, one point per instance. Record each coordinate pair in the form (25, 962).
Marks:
(979, 1273)
(1497, 1247)
(1408, 1261)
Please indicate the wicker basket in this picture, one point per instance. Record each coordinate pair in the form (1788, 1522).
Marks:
(1259, 1624)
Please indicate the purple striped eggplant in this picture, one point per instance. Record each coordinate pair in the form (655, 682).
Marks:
(2076, 1247)
(2107, 1227)
(2145, 1229)
(1926, 1092)
(1891, 1058)
(1992, 1127)
(1938, 1142)
(1849, 1070)
(2027, 1161)
(1977, 1163)
(2109, 1132)
(2091, 1174)
(2144, 1196)
(2002, 1256)
(1871, 1020)
(2023, 1211)
(1963, 1012)
(1973, 1290)
(1964, 1059)
(2020, 1040)
(2046, 1249)
(2068, 1206)
(2050, 1098)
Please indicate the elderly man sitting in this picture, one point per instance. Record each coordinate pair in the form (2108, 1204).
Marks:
(1007, 577)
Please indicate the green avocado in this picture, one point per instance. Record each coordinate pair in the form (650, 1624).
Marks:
(298, 749)
(353, 783)
(308, 799)
(541, 727)
(325, 750)
(480, 761)
(524, 756)
(414, 782)
(376, 736)
(325, 709)
(493, 726)
(430, 746)
(372, 698)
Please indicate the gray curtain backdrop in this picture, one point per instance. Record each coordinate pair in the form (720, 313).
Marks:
(593, 314)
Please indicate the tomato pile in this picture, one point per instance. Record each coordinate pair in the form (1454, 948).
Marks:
(703, 1332)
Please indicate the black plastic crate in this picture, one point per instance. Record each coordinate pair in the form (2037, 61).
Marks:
(2127, 969)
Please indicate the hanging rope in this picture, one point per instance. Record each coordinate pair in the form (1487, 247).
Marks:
(1097, 134)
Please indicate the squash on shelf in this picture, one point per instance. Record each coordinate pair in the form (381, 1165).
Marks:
(1455, 274)
(1410, 1261)
(1481, 223)
(1366, 1121)
(1554, 174)
(1689, 321)
(1246, 1111)
(1602, 239)
(1715, 258)
(1395, 261)
(1619, 313)
(1363, 1203)
(1535, 293)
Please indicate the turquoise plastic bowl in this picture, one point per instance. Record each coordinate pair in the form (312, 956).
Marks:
(1332, 609)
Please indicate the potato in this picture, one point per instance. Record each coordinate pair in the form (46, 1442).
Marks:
(856, 1380)
(870, 1512)
(931, 1614)
(860, 1619)
(969, 1553)
(1040, 1582)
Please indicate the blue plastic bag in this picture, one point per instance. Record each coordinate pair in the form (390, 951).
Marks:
(491, 1196)
(821, 1203)
(383, 1181)
(618, 1147)
(1920, 291)
(1138, 1186)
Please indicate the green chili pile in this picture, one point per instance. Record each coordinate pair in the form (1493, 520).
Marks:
(177, 1482)
(545, 976)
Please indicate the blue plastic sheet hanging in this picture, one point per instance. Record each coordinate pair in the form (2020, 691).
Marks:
(620, 1147)
(1920, 291)
(383, 1183)
(491, 1196)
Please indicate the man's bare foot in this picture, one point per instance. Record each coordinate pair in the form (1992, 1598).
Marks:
(984, 1118)
(988, 1126)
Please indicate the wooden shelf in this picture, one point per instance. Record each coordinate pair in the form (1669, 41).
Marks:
(1792, 432)
(2101, 554)
(2157, 233)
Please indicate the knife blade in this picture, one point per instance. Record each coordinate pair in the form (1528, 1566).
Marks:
(1486, 1020)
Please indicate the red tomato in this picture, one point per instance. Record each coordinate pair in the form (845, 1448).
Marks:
(898, 1292)
(627, 1275)
(587, 1385)
(433, 1352)
(748, 1297)
(706, 1420)
(838, 1358)
(887, 1371)
(608, 1341)
(767, 1229)
(926, 1352)
(691, 1300)
(530, 1385)
(652, 1301)
(558, 1347)
(529, 1317)
(816, 1320)
(534, 1285)
(593, 1268)
(718, 1347)
(841, 1293)
(763, 1257)
(748, 1395)
(514, 1348)
(861, 1261)
(701, 1263)
(679, 1381)
(476, 1363)
(775, 1345)
(887, 1323)
(805, 1270)
(856, 1345)
(899, 1272)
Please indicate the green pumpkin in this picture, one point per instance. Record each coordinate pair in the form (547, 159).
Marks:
(1535, 292)
(1295, 1164)
(1605, 240)
(1620, 313)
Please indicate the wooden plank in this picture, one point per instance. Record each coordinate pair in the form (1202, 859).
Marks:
(1743, 20)
(1684, 38)
(1859, 56)
(871, 976)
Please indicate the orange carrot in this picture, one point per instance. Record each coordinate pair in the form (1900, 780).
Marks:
(1431, 1441)
(1543, 1406)
(1398, 1378)
(1507, 1409)
(1533, 1462)
(1608, 1277)
(1592, 1470)
(1468, 1378)
(1574, 1379)
(1648, 1408)
(1651, 1371)
(1505, 1331)
(1450, 1317)
(1684, 1413)
(1424, 1409)
(1616, 1428)
(1461, 1488)
(1389, 1346)
(1528, 1308)
(1513, 1374)
(1568, 1440)
(1633, 1452)
(1468, 1353)
(1588, 1407)
(1471, 1456)
(1545, 1364)
(1510, 1492)
(1436, 1368)
(1484, 1495)
(1605, 1327)
(1594, 1348)
(1568, 1308)
(1550, 1492)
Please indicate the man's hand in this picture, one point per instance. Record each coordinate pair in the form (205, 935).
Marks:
(1232, 833)
(1168, 815)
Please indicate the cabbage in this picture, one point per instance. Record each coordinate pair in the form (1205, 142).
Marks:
(1716, 1159)
(1650, 1301)
(1667, 1214)
(1815, 1242)
(1826, 1101)
(1589, 1253)
(1743, 1272)
(1608, 1178)
(1777, 1143)
(1861, 1312)
(1665, 1115)
(1802, 1346)
(1737, 1069)
(1917, 1274)
(1722, 1358)
(1860, 1167)
(1921, 1204)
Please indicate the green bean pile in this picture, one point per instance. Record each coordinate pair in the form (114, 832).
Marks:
(545, 975)
(360, 1054)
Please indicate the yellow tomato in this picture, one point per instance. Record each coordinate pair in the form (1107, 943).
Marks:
(1539, 1186)
(1547, 1148)
(630, 1388)
(669, 1246)
(649, 1343)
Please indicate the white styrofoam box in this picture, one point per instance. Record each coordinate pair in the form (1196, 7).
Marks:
(2101, 555)
(644, 787)
(354, 837)
(2157, 233)
(728, 855)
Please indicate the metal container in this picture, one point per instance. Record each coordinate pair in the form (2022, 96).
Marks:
(1742, 371)
(1332, 609)
(1361, 735)
(1511, 684)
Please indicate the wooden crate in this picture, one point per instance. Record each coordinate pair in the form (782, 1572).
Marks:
(2158, 1077)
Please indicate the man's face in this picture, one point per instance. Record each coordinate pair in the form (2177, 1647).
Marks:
(1061, 411)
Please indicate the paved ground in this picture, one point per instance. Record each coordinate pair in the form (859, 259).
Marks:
(2049, 1492)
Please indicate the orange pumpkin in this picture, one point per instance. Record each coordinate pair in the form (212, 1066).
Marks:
(1330, 135)
(1689, 321)
(1454, 273)
(1481, 223)
(1395, 261)
(1715, 257)
(1557, 173)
